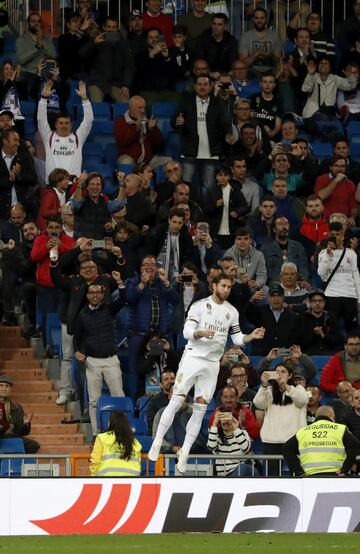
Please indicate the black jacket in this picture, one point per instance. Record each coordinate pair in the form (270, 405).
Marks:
(196, 213)
(216, 125)
(237, 203)
(24, 184)
(311, 342)
(220, 55)
(75, 288)
(282, 333)
(95, 330)
(111, 63)
(156, 238)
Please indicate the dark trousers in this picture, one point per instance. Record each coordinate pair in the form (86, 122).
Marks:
(272, 467)
(345, 308)
(131, 379)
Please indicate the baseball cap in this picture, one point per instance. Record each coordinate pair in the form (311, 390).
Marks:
(6, 379)
(135, 13)
(7, 112)
(276, 288)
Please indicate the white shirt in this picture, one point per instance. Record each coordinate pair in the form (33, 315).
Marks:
(208, 315)
(204, 147)
(346, 280)
(224, 224)
(8, 161)
(61, 196)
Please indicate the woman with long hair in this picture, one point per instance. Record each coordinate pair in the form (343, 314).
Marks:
(116, 453)
(285, 410)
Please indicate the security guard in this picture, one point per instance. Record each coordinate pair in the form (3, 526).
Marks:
(325, 447)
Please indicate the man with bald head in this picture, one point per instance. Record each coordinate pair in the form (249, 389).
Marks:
(138, 210)
(323, 448)
(137, 135)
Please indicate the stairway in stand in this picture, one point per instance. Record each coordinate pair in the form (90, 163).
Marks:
(35, 392)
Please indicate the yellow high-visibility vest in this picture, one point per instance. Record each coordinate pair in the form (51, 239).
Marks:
(112, 465)
(321, 447)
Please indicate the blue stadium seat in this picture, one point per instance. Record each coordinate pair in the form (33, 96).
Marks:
(355, 151)
(139, 426)
(102, 132)
(93, 153)
(119, 109)
(10, 468)
(353, 131)
(181, 85)
(322, 150)
(9, 46)
(145, 441)
(111, 154)
(164, 109)
(28, 107)
(164, 126)
(29, 126)
(143, 404)
(101, 111)
(107, 404)
(320, 361)
(126, 168)
(173, 146)
(333, 128)
(107, 172)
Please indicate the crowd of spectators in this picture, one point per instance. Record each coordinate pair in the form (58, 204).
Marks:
(234, 187)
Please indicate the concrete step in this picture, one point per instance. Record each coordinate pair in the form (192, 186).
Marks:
(42, 418)
(14, 342)
(59, 440)
(19, 364)
(30, 387)
(10, 331)
(65, 449)
(38, 374)
(42, 408)
(16, 353)
(53, 428)
(35, 397)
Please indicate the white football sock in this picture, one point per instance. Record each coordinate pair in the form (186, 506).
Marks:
(167, 418)
(193, 427)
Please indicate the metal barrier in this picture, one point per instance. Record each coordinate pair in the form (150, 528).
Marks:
(33, 468)
(157, 471)
(239, 11)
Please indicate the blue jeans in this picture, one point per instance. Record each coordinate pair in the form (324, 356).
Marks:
(200, 173)
(244, 470)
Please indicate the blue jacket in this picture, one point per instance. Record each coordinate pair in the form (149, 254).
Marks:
(139, 301)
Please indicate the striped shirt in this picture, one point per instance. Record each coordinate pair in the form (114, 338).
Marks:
(237, 443)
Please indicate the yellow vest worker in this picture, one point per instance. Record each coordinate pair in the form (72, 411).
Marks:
(322, 448)
(106, 460)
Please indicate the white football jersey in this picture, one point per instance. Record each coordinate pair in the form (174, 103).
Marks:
(220, 318)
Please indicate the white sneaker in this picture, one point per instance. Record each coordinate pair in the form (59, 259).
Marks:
(154, 452)
(61, 400)
(182, 461)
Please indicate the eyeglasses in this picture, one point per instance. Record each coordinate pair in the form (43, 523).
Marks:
(353, 344)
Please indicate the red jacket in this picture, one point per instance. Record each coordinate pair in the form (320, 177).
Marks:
(162, 22)
(49, 205)
(332, 373)
(342, 199)
(40, 254)
(127, 139)
(250, 423)
(314, 230)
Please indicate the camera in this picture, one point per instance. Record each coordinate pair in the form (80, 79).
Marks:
(186, 278)
(225, 86)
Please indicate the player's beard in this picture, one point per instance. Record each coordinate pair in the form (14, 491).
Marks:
(222, 297)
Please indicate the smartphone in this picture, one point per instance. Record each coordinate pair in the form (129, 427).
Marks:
(227, 416)
(186, 278)
(156, 347)
(234, 357)
(286, 144)
(161, 38)
(45, 73)
(283, 352)
(203, 227)
(273, 374)
(112, 36)
(241, 270)
(97, 244)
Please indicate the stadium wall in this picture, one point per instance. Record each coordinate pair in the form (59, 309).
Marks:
(103, 506)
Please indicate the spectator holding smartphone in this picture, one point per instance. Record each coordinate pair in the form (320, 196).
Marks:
(285, 411)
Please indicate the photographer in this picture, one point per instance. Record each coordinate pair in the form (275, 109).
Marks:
(157, 356)
(233, 358)
(301, 363)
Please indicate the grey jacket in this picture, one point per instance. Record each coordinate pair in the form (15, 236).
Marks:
(274, 259)
(254, 262)
(29, 56)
